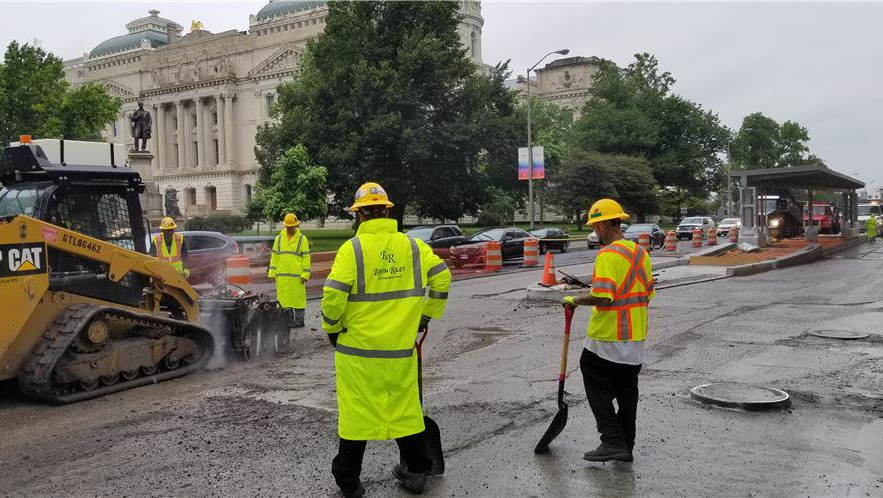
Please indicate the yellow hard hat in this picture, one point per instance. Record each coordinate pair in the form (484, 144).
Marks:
(291, 220)
(370, 194)
(168, 224)
(606, 209)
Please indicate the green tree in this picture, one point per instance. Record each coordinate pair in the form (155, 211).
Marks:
(36, 100)
(633, 112)
(762, 142)
(387, 94)
(294, 185)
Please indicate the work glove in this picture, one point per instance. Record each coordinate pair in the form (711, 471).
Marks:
(569, 302)
(332, 338)
(424, 324)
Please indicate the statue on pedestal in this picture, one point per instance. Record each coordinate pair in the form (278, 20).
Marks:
(142, 125)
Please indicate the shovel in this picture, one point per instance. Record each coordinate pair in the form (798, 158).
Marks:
(432, 447)
(560, 419)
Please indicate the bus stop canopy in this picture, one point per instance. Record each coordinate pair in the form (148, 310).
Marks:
(811, 177)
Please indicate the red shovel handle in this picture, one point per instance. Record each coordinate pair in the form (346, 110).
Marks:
(568, 318)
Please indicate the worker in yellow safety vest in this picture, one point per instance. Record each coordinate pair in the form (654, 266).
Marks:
(170, 247)
(373, 303)
(290, 268)
(871, 227)
(622, 286)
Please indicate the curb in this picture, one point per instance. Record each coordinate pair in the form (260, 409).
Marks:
(750, 268)
(808, 254)
(712, 250)
(855, 242)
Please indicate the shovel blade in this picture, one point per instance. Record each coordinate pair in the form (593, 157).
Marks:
(432, 447)
(554, 429)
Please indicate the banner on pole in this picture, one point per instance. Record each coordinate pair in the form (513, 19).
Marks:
(539, 169)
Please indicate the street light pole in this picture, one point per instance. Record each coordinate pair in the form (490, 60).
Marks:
(529, 144)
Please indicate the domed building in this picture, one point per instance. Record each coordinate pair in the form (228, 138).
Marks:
(208, 93)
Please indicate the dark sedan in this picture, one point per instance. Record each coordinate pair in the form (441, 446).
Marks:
(552, 238)
(207, 254)
(438, 237)
(657, 236)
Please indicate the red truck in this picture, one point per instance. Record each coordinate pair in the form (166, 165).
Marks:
(825, 216)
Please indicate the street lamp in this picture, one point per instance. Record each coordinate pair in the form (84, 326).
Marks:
(563, 51)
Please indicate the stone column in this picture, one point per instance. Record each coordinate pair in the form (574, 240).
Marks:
(228, 126)
(207, 134)
(160, 135)
(222, 131)
(124, 132)
(182, 143)
(200, 133)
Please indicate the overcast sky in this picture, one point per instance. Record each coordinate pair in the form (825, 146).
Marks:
(820, 64)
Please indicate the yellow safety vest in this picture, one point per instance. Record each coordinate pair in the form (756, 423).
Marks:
(290, 266)
(374, 296)
(171, 255)
(871, 226)
(624, 274)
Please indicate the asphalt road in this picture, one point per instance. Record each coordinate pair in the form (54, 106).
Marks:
(269, 428)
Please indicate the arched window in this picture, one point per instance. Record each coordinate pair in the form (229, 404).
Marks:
(474, 45)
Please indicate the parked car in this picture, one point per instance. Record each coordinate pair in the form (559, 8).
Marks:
(657, 236)
(552, 238)
(207, 254)
(686, 226)
(592, 239)
(511, 244)
(438, 237)
(727, 224)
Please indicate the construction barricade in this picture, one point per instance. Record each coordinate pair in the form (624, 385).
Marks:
(493, 256)
(671, 241)
(531, 252)
(712, 237)
(238, 272)
(644, 240)
(734, 234)
(697, 237)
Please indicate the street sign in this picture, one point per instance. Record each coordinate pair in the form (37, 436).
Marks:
(539, 169)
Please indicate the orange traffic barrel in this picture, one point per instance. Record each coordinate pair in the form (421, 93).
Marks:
(644, 240)
(493, 256)
(531, 252)
(712, 237)
(549, 278)
(734, 234)
(238, 271)
(671, 241)
(697, 237)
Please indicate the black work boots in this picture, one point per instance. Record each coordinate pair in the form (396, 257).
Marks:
(606, 452)
(412, 481)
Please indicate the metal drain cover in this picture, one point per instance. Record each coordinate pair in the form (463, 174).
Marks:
(745, 396)
(846, 335)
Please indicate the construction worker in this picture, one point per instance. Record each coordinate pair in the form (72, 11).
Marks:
(622, 285)
(170, 247)
(373, 303)
(871, 227)
(290, 268)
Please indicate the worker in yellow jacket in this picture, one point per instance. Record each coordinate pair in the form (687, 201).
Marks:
(373, 303)
(290, 268)
(170, 246)
(871, 227)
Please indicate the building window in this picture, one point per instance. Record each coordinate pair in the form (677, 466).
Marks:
(217, 152)
(191, 196)
(174, 123)
(177, 161)
(115, 128)
(271, 99)
(195, 153)
(247, 194)
(474, 45)
(211, 197)
(214, 117)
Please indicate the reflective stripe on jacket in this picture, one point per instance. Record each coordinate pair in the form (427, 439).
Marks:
(171, 255)
(624, 274)
(375, 295)
(290, 266)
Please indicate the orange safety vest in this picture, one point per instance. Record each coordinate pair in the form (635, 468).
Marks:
(171, 255)
(622, 273)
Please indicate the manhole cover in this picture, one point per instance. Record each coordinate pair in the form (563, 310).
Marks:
(839, 334)
(748, 397)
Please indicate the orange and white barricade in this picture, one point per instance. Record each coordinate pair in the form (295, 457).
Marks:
(238, 271)
(531, 252)
(644, 240)
(671, 241)
(734, 234)
(712, 236)
(493, 258)
(697, 237)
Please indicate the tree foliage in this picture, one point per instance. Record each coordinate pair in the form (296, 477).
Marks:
(294, 185)
(761, 142)
(36, 100)
(633, 112)
(387, 94)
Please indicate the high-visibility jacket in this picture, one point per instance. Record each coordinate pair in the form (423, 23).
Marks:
(290, 266)
(374, 297)
(172, 253)
(624, 274)
(871, 226)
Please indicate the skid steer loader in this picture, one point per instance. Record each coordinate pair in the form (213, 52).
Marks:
(84, 311)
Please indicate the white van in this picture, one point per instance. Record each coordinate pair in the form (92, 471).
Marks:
(865, 210)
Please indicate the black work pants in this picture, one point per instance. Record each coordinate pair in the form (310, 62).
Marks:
(347, 465)
(606, 381)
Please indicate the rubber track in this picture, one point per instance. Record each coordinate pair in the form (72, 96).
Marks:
(35, 377)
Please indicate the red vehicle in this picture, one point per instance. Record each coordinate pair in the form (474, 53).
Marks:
(825, 216)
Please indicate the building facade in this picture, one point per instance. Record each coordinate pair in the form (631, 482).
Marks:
(209, 92)
(564, 82)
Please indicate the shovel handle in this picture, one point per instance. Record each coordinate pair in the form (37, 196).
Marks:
(568, 318)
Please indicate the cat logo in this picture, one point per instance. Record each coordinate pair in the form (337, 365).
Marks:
(22, 259)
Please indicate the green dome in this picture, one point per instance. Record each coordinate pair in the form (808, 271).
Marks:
(129, 42)
(278, 8)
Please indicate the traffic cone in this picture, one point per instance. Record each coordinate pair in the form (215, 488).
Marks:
(549, 271)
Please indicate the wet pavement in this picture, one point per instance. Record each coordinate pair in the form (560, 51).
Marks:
(269, 427)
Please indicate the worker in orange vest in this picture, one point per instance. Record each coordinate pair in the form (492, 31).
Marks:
(170, 247)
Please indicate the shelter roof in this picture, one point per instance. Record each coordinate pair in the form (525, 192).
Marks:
(814, 177)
